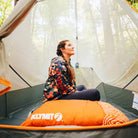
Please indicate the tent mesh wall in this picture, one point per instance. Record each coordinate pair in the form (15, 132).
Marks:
(101, 31)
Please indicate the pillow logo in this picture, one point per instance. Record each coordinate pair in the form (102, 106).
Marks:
(48, 116)
(58, 116)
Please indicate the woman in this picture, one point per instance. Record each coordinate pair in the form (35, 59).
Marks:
(61, 79)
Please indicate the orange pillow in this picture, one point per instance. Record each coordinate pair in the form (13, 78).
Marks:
(112, 115)
(70, 112)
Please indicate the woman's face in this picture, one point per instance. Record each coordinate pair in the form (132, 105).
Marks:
(69, 49)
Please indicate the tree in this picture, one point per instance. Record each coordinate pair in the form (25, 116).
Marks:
(5, 9)
(134, 4)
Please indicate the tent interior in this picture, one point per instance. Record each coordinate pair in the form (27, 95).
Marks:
(104, 34)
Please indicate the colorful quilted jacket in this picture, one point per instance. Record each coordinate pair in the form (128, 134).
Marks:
(58, 84)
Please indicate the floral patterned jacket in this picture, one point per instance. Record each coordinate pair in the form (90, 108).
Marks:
(58, 84)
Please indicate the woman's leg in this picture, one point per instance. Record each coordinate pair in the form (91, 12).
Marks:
(89, 94)
(81, 88)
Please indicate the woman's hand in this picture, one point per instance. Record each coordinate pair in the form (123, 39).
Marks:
(45, 100)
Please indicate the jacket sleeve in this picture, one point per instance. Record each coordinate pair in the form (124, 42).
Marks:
(60, 74)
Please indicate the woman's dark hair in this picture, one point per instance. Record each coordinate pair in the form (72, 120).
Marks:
(60, 46)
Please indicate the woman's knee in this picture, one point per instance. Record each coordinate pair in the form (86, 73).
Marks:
(95, 94)
(81, 87)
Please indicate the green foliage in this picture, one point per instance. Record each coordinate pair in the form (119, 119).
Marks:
(134, 4)
(5, 9)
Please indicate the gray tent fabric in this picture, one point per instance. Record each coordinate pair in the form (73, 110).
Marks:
(124, 132)
(3, 65)
(17, 15)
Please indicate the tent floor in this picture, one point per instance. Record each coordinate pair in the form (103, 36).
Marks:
(19, 116)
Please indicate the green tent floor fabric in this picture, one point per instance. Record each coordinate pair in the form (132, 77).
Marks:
(118, 97)
(9, 125)
(121, 98)
(20, 115)
(15, 100)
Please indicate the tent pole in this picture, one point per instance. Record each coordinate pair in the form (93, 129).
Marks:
(20, 76)
(130, 81)
(76, 18)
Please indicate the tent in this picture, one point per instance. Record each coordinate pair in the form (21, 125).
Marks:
(105, 35)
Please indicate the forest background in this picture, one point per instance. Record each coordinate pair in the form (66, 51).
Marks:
(6, 7)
